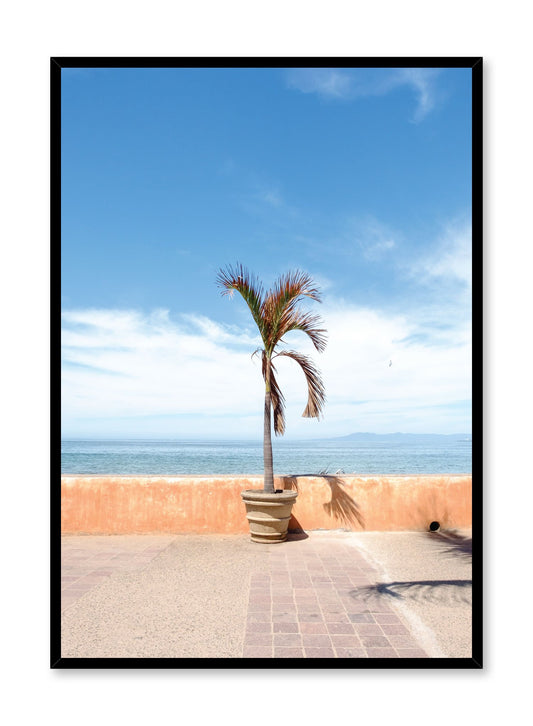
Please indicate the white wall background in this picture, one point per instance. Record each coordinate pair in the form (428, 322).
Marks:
(32, 32)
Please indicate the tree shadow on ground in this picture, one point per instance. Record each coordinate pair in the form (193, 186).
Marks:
(443, 592)
(452, 543)
(341, 507)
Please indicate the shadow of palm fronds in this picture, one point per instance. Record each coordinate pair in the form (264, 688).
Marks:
(452, 543)
(342, 506)
(290, 482)
(437, 591)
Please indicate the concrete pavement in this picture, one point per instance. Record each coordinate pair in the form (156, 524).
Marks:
(327, 594)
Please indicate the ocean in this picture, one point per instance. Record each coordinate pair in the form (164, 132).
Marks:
(441, 455)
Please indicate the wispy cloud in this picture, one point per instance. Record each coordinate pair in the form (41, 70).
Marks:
(254, 192)
(324, 81)
(371, 236)
(422, 81)
(430, 370)
(191, 373)
(351, 84)
(270, 197)
(449, 257)
(120, 363)
(266, 201)
(354, 236)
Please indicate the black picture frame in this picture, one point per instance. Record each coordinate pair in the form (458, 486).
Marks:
(476, 66)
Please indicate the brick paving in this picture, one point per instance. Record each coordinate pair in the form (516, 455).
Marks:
(311, 597)
(309, 600)
(87, 561)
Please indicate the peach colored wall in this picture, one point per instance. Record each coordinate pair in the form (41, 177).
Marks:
(212, 504)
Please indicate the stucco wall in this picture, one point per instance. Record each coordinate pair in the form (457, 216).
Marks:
(212, 504)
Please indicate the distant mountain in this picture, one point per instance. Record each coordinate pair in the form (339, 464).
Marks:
(403, 437)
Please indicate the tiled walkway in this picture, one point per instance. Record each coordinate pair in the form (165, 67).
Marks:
(312, 597)
(311, 601)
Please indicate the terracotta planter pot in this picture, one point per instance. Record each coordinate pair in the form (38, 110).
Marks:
(268, 514)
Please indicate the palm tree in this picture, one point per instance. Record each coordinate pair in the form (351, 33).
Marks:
(276, 313)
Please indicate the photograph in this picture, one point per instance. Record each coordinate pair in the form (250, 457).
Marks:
(266, 432)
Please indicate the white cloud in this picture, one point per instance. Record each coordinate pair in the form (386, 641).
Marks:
(324, 81)
(121, 364)
(263, 197)
(365, 393)
(125, 372)
(270, 197)
(348, 84)
(374, 238)
(354, 236)
(422, 82)
(450, 257)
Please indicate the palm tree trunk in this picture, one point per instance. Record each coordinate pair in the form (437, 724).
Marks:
(268, 485)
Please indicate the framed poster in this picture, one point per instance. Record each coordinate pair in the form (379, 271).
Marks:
(236, 241)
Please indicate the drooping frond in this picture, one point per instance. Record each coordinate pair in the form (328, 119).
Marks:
(315, 388)
(307, 323)
(278, 404)
(276, 397)
(281, 301)
(238, 278)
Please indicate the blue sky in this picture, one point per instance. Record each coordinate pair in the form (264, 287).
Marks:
(361, 177)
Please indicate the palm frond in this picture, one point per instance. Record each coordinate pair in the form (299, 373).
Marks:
(276, 397)
(278, 403)
(307, 323)
(239, 279)
(280, 303)
(295, 284)
(315, 388)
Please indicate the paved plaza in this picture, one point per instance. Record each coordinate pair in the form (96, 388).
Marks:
(318, 595)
